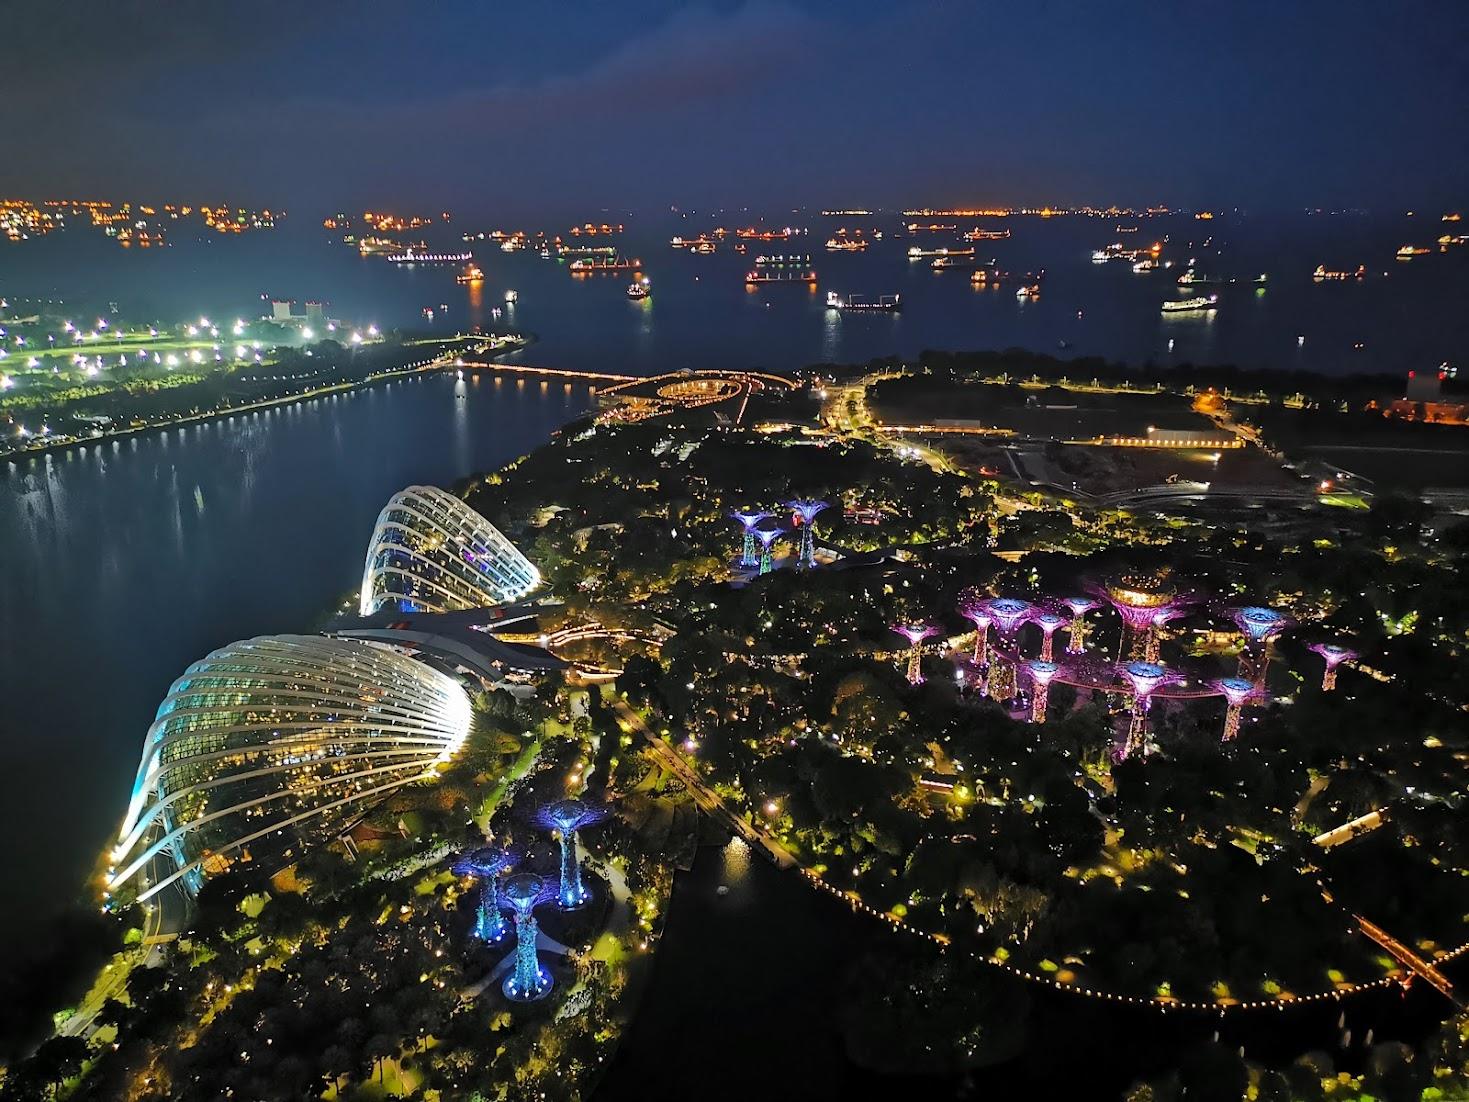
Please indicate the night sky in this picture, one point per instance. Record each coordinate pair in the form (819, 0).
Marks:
(523, 109)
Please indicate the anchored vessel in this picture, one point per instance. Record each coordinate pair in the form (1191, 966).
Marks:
(1174, 306)
(835, 301)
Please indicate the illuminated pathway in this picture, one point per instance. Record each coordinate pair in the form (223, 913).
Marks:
(703, 795)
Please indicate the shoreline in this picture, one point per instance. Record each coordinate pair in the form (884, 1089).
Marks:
(15, 458)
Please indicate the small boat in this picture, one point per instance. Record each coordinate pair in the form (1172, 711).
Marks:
(637, 289)
(1174, 306)
(1032, 290)
(1407, 252)
(472, 274)
(512, 296)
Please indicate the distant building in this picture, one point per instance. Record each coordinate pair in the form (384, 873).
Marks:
(315, 314)
(280, 311)
(1424, 400)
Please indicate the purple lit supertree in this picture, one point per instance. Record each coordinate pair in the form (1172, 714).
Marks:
(807, 511)
(1079, 607)
(1259, 626)
(1138, 602)
(1238, 692)
(750, 521)
(488, 864)
(1146, 678)
(564, 818)
(1155, 639)
(1335, 655)
(1049, 622)
(915, 634)
(528, 979)
(974, 605)
(1008, 614)
(1041, 672)
(767, 537)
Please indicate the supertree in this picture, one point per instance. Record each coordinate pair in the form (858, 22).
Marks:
(1238, 692)
(1041, 672)
(748, 555)
(528, 979)
(1049, 622)
(767, 537)
(1259, 626)
(915, 634)
(1079, 607)
(1138, 601)
(488, 864)
(974, 605)
(1335, 655)
(1155, 640)
(1008, 613)
(1146, 678)
(807, 511)
(565, 818)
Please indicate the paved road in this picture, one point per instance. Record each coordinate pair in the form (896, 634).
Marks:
(703, 795)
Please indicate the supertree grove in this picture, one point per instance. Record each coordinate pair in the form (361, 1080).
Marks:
(565, 818)
(767, 538)
(974, 606)
(488, 864)
(1146, 678)
(915, 634)
(749, 557)
(1259, 626)
(1334, 655)
(528, 979)
(1155, 639)
(1049, 622)
(1079, 606)
(807, 511)
(1238, 692)
(1041, 672)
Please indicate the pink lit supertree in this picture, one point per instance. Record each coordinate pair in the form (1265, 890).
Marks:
(1146, 678)
(974, 606)
(1238, 692)
(1079, 607)
(1008, 614)
(1041, 673)
(1335, 655)
(1259, 626)
(1049, 622)
(1155, 639)
(915, 634)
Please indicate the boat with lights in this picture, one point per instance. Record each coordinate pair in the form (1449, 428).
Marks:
(1184, 305)
(835, 301)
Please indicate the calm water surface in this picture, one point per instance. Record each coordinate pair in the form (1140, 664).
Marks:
(123, 562)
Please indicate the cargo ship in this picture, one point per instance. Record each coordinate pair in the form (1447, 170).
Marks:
(990, 276)
(781, 275)
(978, 234)
(1408, 252)
(613, 263)
(753, 234)
(914, 227)
(1322, 272)
(1175, 306)
(915, 253)
(411, 256)
(472, 274)
(835, 301)
(846, 244)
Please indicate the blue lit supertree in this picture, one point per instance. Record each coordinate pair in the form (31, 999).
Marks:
(565, 818)
(1259, 626)
(807, 511)
(748, 555)
(488, 864)
(767, 537)
(528, 979)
